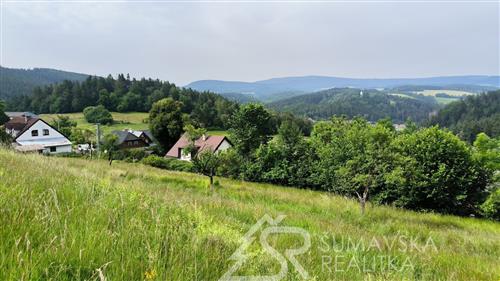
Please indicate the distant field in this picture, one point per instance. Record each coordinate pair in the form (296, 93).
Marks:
(445, 101)
(130, 120)
(448, 92)
(76, 219)
(401, 95)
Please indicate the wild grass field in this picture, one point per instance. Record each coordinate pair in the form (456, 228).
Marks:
(129, 120)
(76, 219)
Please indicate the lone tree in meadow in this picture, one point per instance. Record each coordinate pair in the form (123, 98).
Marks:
(165, 121)
(206, 163)
(97, 114)
(110, 146)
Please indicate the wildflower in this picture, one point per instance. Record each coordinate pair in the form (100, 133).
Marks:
(150, 274)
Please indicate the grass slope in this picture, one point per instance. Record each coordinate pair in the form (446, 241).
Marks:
(75, 219)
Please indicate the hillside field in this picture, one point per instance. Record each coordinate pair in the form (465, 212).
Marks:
(454, 93)
(76, 219)
(129, 120)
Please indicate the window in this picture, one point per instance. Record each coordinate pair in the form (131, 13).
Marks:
(45, 132)
(34, 133)
(53, 149)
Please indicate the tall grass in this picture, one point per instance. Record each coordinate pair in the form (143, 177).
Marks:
(74, 219)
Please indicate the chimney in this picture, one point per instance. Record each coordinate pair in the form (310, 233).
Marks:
(204, 137)
(25, 118)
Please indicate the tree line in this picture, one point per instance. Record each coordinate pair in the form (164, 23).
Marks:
(471, 116)
(124, 95)
(423, 169)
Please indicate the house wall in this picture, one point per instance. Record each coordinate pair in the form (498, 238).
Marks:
(59, 149)
(223, 146)
(185, 156)
(40, 126)
(12, 132)
(133, 144)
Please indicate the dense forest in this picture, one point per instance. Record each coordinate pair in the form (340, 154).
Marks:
(124, 95)
(16, 82)
(371, 104)
(472, 115)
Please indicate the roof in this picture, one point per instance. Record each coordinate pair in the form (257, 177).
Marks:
(124, 136)
(20, 123)
(28, 122)
(150, 135)
(60, 141)
(209, 142)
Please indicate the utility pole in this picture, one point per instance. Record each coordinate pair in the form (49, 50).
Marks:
(98, 137)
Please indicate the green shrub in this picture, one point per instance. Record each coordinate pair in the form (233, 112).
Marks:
(491, 207)
(131, 155)
(167, 163)
(97, 114)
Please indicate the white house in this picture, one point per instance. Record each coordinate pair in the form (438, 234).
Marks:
(34, 134)
(212, 143)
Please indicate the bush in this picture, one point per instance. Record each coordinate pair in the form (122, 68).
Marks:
(167, 163)
(97, 114)
(130, 155)
(436, 172)
(491, 207)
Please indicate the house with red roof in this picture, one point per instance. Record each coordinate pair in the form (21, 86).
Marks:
(205, 142)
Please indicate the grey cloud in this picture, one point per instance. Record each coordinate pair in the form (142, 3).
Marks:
(183, 42)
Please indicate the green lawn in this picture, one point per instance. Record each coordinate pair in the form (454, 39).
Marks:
(455, 93)
(130, 120)
(445, 101)
(76, 219)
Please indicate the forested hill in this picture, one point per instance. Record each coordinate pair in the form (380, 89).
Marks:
(286, 87)
(371, 104)
(15, 82)
(124, 95)
(472, 115)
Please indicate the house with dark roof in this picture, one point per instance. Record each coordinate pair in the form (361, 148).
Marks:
(206, 142)
(134, 139)
(36, 135)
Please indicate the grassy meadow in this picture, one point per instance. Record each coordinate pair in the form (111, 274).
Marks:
(129, 120)
(76, 219)
(454, 93)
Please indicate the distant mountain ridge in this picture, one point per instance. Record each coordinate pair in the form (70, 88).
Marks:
(15, 82)
(264, 89)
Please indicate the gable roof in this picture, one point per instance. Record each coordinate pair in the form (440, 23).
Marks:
(210, 142)
(30, 122)
(16, 123)
(124, 136)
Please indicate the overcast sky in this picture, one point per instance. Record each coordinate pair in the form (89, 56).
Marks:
(184, 42)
